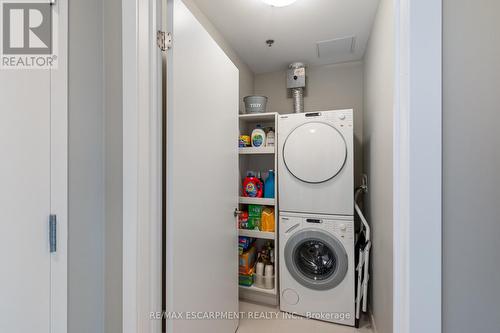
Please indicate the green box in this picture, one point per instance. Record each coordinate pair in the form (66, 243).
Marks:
(254, 222)
(246, 280)
(255, 210)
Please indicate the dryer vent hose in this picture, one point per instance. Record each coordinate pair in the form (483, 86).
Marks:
(298, 100)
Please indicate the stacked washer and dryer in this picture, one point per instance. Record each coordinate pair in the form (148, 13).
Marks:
(316, 232)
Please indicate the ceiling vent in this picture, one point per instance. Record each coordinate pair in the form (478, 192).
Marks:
(336, 48)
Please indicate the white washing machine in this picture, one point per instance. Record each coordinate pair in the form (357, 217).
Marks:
(317, 269)
(316, 162)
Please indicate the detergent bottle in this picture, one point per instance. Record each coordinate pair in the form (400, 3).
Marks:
(269, 185)
(252, 186)
(258, 137)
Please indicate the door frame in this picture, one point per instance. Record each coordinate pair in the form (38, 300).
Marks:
(142, 166)
(417, 300)
(417, 166)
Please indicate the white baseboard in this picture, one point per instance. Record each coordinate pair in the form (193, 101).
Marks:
(372, 321)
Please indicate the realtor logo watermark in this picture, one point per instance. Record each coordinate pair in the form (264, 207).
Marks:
(29, 35)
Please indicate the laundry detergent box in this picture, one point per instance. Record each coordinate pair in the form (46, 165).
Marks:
(255, 210)
(267, 220)
(253, 223)
(246, 279)
(254, 217)
(244, 243)
(247, 260)
(250, 223)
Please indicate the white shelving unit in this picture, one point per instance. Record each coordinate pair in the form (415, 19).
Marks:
(258, 117)
(259, 290)
(257, 201)
(257, 151)
(260, 159)
(257, 234)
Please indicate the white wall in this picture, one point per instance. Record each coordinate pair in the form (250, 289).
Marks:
(95, 166)
(86, 168)
(328, 87)
(378, 157)
(113, 136)
(246, 75)
(471, 164)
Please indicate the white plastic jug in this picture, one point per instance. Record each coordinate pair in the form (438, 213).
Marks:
(270, 138)
(258, 137)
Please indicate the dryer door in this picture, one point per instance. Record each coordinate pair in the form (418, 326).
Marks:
(315, 259)
(315, 152)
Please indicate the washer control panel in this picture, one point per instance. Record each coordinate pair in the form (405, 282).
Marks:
(343, 229)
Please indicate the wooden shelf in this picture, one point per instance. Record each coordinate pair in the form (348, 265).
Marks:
(257, 151)
(256, 234)
(257, 201)
(261, 290)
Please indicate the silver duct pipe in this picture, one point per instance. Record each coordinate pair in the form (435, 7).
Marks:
(296, 82)
(298, 100)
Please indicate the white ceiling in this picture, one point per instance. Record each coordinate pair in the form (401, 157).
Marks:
(247, 24)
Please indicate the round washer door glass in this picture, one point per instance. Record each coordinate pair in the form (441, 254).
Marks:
(315, 152)
(316, 260)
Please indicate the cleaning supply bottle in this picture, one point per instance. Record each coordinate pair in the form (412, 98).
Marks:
(270, 138)
(252, 186)
(258, 137)
(259, 176)
(269, 185)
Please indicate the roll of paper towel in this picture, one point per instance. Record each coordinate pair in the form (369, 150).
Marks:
(259, 268)
(269, 270)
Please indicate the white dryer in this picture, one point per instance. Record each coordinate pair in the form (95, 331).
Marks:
(316, 162)
(317, 268)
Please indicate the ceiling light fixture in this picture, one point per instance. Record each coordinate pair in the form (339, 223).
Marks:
(279, 3)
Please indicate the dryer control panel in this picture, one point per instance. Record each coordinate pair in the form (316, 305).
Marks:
(340, 118)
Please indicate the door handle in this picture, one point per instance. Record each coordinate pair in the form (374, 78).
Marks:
(53, 233)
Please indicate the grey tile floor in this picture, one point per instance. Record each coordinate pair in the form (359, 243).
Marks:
(286, 325)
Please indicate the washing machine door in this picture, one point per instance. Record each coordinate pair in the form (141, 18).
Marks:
(316, 259)
(315, 152)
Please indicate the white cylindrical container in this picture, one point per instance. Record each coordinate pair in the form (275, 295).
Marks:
(269, 270)
(259, 268)
(259, 281)
(269, 282)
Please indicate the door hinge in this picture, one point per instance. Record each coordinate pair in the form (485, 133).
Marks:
(164, 40)
(53, 233)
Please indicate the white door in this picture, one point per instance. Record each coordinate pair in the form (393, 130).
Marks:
(26, 204)
(25, 201)
(33, 185)
(202, 173)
